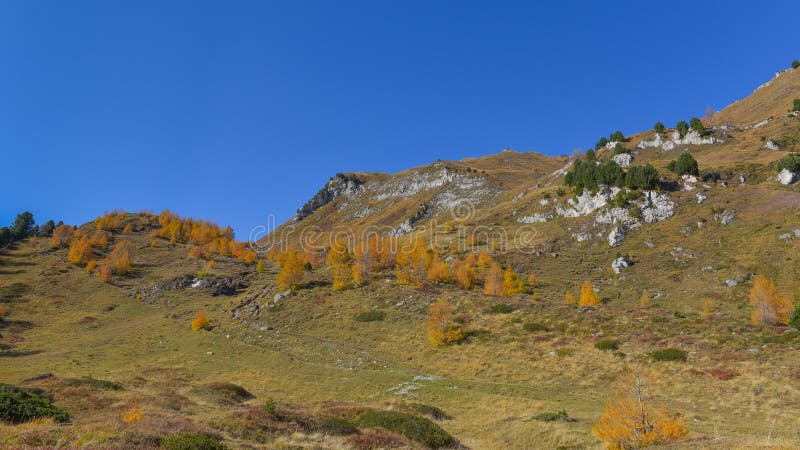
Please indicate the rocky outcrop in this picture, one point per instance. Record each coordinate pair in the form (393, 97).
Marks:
(691, 138)
(586, 203)
(535, 218)
(787, 177)
(339, 185)
(616, 236)
(656, 142)
(623, 159)
(656, 206)
(619, 264)
(725, 217)
(701, 197)
(771, 145)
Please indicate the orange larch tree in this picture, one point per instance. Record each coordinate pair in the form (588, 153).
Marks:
(291, 274)
(512, 283)
(631, 418)
(441, 330)
(588, 296)
(339, 261)
(768, 306)
(493, 282)
(80, 251)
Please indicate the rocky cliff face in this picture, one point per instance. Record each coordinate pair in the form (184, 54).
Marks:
(339, 185)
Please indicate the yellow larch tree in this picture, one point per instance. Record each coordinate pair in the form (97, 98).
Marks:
(768, 306)
(569, 299)
(80, 251)
(412, 262)
(631, 418)
(339, 261)
(200, 321)
(291, 274)
(465, 273)
(441, 330)
(512, 283)
(588, 296)
(493, 281)
(439, 271)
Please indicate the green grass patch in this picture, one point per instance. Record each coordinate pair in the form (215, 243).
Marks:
(430, 411)
(669, 354)
(12, 292)
(607, 344)
(335, 426)
(370, 316)
(224, 393)
(22, 405)
(191, 441)
(94, 383)
(501, 308)
(560, 416)
(533, 327)
(416, 428)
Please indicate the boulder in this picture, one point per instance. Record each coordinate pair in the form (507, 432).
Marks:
(701, 197)
(623, 159)
(787, 177)
(620, 263)
(281, 295)
(616, 236)
(771, 145)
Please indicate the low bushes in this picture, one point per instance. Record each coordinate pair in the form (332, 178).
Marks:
(669, 354)
(560, 416)
(191, 441)
(532, 327)
(501, 308)
(22, 405)
(370, 316)
(607, 344)
(413, 427)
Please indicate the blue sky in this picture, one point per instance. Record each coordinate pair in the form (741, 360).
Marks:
(233, 111)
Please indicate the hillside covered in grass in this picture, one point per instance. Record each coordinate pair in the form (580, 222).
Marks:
(514, 300)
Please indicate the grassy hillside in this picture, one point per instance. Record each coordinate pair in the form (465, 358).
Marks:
(353, 368)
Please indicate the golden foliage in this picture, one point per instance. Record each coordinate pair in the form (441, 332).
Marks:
(709, 308)
(211, 264)
(412, 263)
(200, 321)
(465, 272)
(768, 306)
(260, 266)
(153, 243)
(109, 221)
(291, 273)
(493, 281)
(62, 235)
(339, 260)
(588, 296)
(120, 258)
(371, 255)
(439, 271)
(104, 273)
(440, 329)
(569, 299)
(208, 238)
(128, 229)
(512, 283)
(632, 420)
(132, 415)
(3, 311)
(532, 280)
(91, 265)
(98, 239)
(80, 251)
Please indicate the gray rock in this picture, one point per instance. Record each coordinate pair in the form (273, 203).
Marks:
(725, 217)
(623, 159)
(281, 295)
(731, 282)
(616, 237)
(338, 186)
(619, 264)
(787, 177)
(771, 145)
(701, 197)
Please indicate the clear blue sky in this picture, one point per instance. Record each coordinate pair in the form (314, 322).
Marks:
(235, 110)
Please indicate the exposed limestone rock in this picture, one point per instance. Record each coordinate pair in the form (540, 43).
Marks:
(616, 237)
(587, 203)
(692, 138)
(656, 206)
(701, 197)
(688, 182)
(536, 218)
(281, 295)
(787, 177)
(669, 145)
(620, 263)
(771, 145)
(656, 142)
(338, 186)
(725, 217)
(623, 159)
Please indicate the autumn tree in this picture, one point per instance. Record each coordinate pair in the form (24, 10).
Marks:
(493, 282)
(465, 272)
(441, 330)
(120, 258)
(632, 419)
(768, 306)
(339, 261)
(80, 251)
(128, 229)
(588, 296)
(412, 263)
(62, 235)
(98, 239)
(200, 321)
(260, 266)
(439, 271)
(569, 299)
(512, 283)
(291, 274)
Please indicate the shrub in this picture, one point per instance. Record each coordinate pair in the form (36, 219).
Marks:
(270, 407)
(642, 177)
(430, 411)
(501, 308)
(560, 416)
(607, 344)
(682, 128)
(413, 427)
(794, 318)
(532, 327)
(669, 354)
(697, 125)
(95, 383)
(22, 405)
(790, 162)
(600, 144)
(619, 149)
(335, 426)
(200, 322)
(684, 165)
(659, 127)
(191, 441)
(796, 105)
(617, 136)
(795, 64)
(370, 316)
(227, 393)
